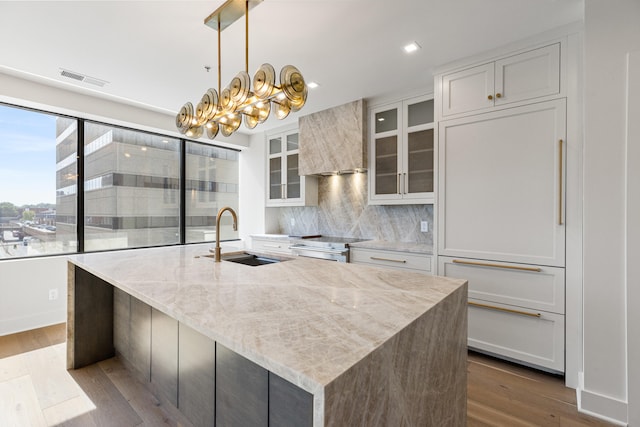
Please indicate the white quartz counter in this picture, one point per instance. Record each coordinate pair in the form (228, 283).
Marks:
(304, 319)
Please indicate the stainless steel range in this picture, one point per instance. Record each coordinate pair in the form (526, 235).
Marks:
(325, 247)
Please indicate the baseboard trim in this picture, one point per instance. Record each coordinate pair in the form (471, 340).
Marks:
(27, 323)
(599, 406)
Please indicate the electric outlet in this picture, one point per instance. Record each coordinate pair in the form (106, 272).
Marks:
(293, 222)
(424, 226)
(53, 294)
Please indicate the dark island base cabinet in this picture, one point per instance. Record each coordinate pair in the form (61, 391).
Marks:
(210, 384)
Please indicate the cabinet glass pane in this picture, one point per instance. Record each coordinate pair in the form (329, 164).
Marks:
(292, 142)
(386, 165)
(387, 120)
(420, 113)
(420, 171)
(275, 178)
(293, 179)
(275, 145)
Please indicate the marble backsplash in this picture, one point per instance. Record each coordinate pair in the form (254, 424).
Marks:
(343, 211)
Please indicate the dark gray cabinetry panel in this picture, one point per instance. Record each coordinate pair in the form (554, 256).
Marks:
(196, 377)
(241, 391)
(122, 322)
(164, 354)
(93, 319)
(289, 405)
(140, 337)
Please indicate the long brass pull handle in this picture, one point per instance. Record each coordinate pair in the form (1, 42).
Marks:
(401, 261)
(486, 264)
(406, 184)
(560, 181)
(508, 310)
(398, 184)
(282, 195)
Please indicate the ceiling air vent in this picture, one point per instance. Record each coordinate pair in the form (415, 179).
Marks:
(82, 77)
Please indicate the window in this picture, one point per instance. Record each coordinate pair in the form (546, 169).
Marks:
(132, 187)
(38, 176)
(211, 183)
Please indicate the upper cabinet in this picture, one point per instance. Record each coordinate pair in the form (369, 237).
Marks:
(285, 187)
(401, 152)
(520, 77)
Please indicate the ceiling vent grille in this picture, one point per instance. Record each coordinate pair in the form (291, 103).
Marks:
(82, 78)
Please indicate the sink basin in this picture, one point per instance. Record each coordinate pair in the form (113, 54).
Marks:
(249, 259)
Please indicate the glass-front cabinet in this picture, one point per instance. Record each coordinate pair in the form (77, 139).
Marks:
(401, 150)
(285, 186)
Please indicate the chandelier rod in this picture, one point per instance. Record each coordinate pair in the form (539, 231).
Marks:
(219, 60)
(246, 37)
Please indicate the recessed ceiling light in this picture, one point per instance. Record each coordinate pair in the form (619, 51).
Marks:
(411, 47)
(312, 85)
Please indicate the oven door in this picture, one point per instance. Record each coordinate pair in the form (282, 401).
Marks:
(331, 254)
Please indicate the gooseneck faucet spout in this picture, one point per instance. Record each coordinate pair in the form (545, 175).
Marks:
(235, 227)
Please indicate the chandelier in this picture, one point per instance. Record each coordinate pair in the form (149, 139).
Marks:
(224, 110)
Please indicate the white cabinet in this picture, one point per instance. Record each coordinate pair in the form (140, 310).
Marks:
(401, 151)
(535, 338)
(285, 187)
(266, 244)
(515, 310)
(501, 185)
(501, 201)
(399, 260)
(521, 77)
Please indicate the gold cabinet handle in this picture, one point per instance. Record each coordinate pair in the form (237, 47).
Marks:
(406, 184)
(401, 261)
(507, 310)
(398, 183)
(487, 264)
(560, 181)
(490, 97)
(498, 95)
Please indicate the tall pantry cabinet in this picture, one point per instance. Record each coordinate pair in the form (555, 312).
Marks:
(502, 144)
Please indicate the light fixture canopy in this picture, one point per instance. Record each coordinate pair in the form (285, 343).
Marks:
(224, 110)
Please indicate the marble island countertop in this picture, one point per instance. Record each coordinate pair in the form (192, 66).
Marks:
(307, 320)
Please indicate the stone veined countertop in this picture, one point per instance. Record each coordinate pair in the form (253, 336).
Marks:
(304, 319)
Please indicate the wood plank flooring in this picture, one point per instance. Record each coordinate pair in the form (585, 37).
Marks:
(37, 390)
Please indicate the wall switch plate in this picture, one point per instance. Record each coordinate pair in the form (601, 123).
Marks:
(424, 226)
(53, 294)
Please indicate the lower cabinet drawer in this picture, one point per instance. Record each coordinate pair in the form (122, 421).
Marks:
(278, 246)
(392, 259)
(530, 336)
(530, 286)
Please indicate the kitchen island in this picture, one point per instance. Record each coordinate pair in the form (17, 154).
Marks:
(299, 342)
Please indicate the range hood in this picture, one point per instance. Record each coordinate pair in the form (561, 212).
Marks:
(333, 141)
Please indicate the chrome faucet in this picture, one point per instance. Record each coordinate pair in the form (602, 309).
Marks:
(235, 227)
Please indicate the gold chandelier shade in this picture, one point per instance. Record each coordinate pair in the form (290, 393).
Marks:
(224, 110)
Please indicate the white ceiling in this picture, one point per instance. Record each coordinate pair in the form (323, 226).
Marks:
(154, 52)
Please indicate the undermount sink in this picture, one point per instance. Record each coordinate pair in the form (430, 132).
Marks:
(249, 259)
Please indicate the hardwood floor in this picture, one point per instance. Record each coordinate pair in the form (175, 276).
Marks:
(37, 390)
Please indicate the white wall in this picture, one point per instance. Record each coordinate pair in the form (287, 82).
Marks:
(251, 215)
(611, 31)
(24, 293)
(633, 236)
